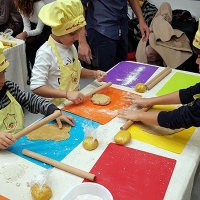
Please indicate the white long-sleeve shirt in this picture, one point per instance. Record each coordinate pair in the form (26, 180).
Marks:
(34, 19)
(46, 70)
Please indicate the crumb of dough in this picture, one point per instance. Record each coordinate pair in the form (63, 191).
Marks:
(50, 132)
(100, 99)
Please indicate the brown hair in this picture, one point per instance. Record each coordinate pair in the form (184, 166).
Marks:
(25, 6)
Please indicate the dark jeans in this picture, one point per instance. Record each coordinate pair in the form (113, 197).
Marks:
(108, 52)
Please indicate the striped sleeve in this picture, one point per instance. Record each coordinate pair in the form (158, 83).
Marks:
(32, 102)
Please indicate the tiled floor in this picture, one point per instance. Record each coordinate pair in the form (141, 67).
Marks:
(30, 118)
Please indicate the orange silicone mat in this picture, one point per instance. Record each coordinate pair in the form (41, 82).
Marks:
(98, 113)
(3, 198)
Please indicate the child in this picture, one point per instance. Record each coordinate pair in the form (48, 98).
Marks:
(183, 117)
(12, 100)
(57, 70)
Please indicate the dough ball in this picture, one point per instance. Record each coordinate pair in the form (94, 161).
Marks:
(39, 192)
(100, 99)
(122, 137)
(140, 87)
(89, 143)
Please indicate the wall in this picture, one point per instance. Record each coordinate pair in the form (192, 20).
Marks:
(192, 6)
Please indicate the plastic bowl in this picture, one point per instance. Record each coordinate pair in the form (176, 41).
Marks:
(87, 188)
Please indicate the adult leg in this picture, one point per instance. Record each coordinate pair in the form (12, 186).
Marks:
(104, 49)
(122, 50)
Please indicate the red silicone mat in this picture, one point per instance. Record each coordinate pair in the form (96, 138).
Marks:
(131, 174)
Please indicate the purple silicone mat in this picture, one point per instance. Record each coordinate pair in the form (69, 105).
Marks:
(130, 73)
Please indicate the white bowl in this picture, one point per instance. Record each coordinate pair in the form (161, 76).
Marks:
(87, 188)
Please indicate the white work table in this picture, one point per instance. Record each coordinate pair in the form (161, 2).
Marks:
(16, 172)
(17, 70)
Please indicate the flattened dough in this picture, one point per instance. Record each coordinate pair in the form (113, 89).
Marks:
(100, 99)
(50, 132)
(157, 130)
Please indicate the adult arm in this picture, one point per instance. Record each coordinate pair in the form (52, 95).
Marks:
(137, 10)
(84, 51)
(27, 27)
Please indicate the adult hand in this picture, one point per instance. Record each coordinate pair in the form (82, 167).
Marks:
(75, 96)
(144, 31)
(100, 75)
(21, 36)
(6, 140)
(84, 52)
(65, 118)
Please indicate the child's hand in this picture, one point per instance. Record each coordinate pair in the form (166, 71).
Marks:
(66, 118)
(129, 114)
(138, 101)
(6, 140)
(75, 96)
(100, 75)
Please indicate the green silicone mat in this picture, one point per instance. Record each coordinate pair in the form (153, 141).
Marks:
(178, 81)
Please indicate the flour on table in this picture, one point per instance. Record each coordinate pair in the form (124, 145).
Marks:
(132, 76)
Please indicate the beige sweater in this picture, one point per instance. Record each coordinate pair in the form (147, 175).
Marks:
(171, 44)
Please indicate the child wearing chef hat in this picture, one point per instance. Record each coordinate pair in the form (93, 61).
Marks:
(12, 102)
(57, 70)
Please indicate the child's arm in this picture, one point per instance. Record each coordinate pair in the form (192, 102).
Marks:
(97, 74)
(137, 115)
(6, 140)
(48, 92)
(172, 98)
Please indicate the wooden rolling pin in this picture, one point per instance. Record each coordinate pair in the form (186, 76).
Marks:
(130, 122)
(38, 124)
(59, 165)
(91, 92)
(150, 84)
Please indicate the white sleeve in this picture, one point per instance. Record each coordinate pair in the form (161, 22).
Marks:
(27, 23)
(35, 19)
(40, 69)
(37, 30)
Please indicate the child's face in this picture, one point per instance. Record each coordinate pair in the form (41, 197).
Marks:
(70, 38)
(2, 79)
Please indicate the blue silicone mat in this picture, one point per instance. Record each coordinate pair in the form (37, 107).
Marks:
(53, 149)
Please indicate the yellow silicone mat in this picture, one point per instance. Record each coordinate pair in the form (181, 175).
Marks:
(174, 143)
(178, 81)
